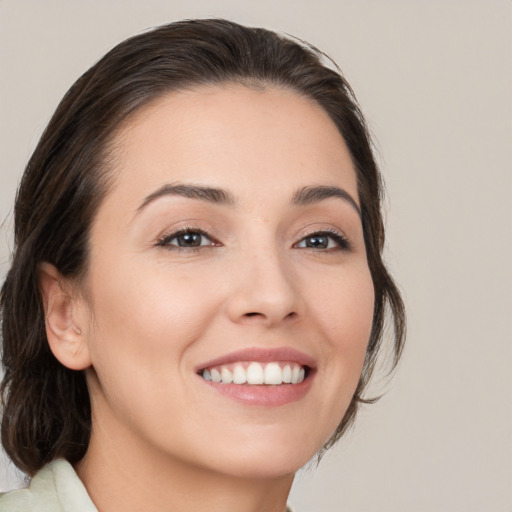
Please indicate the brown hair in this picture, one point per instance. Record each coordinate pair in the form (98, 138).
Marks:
(46, 408)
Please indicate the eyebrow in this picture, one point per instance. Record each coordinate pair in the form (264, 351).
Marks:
(303, 197)
(315, 194)
(209, 194)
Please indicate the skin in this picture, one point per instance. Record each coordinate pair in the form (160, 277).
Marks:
(147, 314)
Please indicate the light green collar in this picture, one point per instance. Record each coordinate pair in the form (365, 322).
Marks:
(56, 488)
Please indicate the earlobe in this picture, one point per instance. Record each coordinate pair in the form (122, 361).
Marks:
(63, 330)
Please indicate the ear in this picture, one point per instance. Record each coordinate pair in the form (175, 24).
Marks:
(66, 335)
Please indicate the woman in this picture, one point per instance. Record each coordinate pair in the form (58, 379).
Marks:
(197, 295)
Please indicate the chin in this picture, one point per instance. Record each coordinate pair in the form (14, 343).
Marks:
(267, 458)
(264, 468)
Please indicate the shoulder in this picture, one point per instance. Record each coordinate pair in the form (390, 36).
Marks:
(15, 501)
(56, 488)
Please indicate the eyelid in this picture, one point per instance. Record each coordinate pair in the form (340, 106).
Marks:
(341, 239)
(343, 243)
(163, 240)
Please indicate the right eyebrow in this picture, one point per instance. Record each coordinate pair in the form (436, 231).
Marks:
(209, 194)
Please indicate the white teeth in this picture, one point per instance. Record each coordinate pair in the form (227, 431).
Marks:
(295, 374)
(239, 375)
(255, 374)
(273, 374)
(287, 374)
(227, 377)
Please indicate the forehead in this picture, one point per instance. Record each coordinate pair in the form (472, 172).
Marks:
(249, 140)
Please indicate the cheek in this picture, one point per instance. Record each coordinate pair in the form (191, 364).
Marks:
(145, 321)
(345, 307)
(345, 313)
(148, 316)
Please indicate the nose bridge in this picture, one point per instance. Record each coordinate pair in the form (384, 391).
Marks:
(264, 289)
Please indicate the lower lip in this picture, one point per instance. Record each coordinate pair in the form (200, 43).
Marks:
(263, 395)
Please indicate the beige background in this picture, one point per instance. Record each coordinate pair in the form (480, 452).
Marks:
(434, 78)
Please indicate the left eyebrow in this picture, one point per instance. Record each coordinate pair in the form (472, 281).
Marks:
(315, 194)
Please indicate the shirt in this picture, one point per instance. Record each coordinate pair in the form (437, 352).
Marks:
(56, 488)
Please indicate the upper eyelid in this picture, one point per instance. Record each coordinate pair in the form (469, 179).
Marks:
(327, 231)
(167, 236)
(315, 231)
(343, 240)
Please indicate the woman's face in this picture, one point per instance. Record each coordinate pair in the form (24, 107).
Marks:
(229, 244)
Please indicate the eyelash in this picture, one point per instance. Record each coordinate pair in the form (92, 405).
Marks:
(166, 239)
(342, 242)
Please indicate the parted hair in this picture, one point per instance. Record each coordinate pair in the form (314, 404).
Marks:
(46, 407)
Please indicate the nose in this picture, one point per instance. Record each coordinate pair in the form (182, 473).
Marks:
(263, 291)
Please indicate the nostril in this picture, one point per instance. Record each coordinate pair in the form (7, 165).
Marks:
(290, 315)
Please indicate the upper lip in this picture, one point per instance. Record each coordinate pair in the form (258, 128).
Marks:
(261, 355)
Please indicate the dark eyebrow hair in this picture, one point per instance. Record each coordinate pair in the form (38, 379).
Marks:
(303, 197)
(210, 194)
(314, 194)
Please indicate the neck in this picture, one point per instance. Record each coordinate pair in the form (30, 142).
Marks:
(120, 474)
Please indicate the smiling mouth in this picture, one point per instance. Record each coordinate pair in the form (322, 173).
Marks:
(252, 373)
